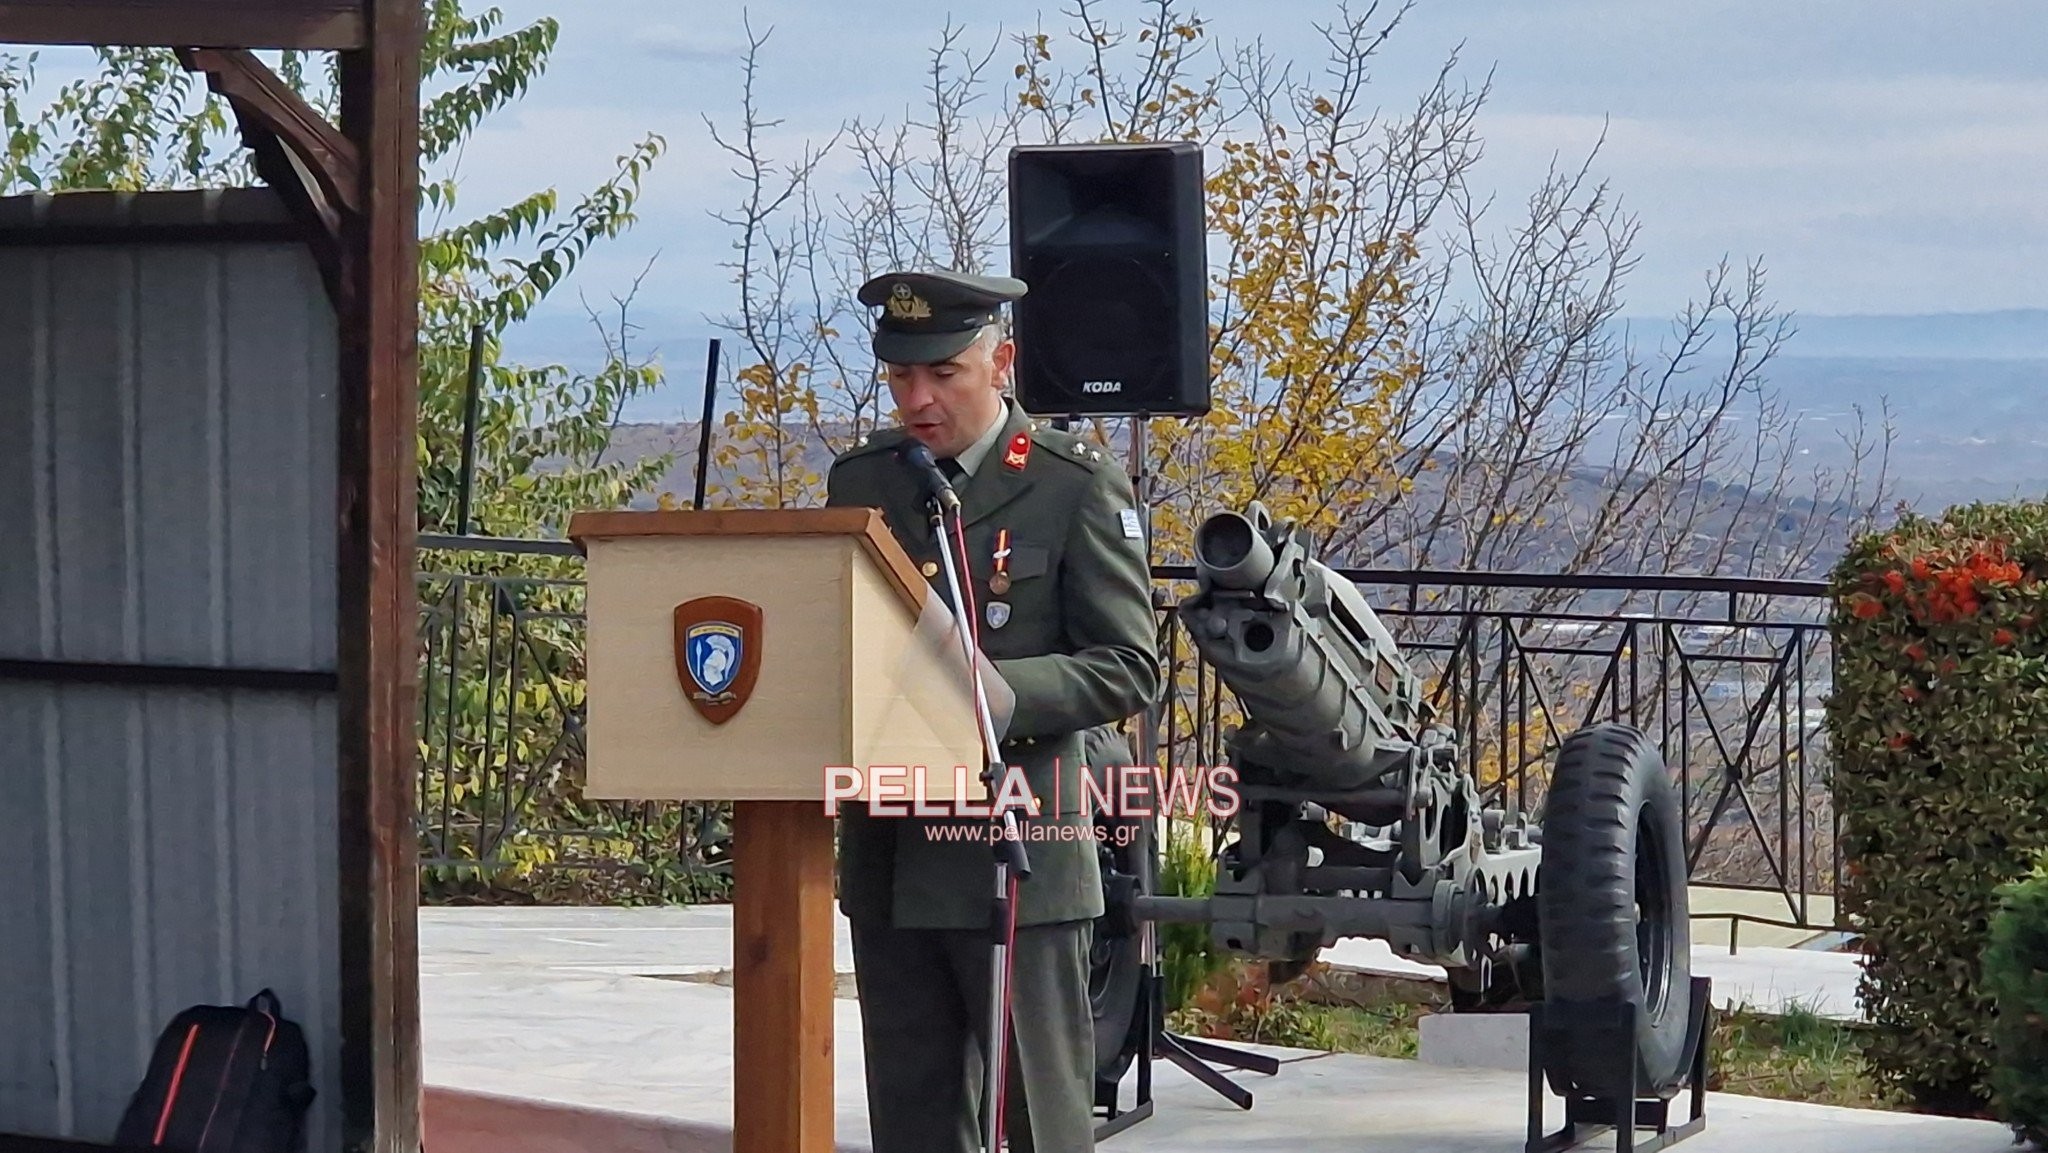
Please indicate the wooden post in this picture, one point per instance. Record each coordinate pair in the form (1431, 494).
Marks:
(783, 977)
(380, 1060)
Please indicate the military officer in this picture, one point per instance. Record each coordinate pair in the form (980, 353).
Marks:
(1059, 578)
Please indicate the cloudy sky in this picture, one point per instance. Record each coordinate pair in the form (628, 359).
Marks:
(1878, 156)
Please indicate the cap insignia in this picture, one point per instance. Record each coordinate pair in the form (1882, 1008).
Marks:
(907, 305)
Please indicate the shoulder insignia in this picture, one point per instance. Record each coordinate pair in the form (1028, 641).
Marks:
(1063, 444)
(1067, 445)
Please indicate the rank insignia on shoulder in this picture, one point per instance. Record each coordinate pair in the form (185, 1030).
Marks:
(1019, 451)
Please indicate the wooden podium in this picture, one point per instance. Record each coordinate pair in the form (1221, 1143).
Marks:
(741, 655)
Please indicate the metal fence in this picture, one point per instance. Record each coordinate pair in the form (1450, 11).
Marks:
(500, 804)
(1728, 674)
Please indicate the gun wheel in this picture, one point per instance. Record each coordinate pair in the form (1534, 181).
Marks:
(1116, 964)
(1612, 910)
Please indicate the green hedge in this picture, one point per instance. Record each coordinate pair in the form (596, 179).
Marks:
(1939, 727)
(2016, 970)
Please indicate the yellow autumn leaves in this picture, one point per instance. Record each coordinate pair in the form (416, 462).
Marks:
(1307, 353)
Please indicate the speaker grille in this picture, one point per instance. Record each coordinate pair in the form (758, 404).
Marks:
(1111, 241)
(1106, 317)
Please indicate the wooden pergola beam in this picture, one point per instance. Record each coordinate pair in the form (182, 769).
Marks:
(310, 163)
(335, 25)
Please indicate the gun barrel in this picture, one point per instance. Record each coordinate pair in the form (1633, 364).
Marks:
(1326, 694)
(1230, 553)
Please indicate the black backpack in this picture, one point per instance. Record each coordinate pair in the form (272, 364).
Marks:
(224, 1079)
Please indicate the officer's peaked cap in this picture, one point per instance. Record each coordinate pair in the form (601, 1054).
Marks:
(930, 316)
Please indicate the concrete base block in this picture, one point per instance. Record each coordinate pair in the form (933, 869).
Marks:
(1475, 1040)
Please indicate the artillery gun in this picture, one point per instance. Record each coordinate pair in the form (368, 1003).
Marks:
(1361, 817)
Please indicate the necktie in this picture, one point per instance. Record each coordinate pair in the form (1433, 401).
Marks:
(953, 471)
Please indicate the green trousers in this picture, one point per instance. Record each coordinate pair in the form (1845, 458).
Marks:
(924, 1021)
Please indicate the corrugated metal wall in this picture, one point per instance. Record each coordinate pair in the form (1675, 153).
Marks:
(167, 495)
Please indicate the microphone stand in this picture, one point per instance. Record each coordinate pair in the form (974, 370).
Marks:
(1012, 865)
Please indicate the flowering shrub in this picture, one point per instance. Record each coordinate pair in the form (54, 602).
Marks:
(1939, 727)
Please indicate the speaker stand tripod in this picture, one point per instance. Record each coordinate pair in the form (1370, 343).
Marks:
(1194, 1056)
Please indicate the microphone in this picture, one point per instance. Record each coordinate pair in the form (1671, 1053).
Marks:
(937, 487)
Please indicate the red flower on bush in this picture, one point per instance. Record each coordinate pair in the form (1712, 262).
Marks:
(2002, 637)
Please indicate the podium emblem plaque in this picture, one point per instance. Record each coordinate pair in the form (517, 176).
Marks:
(718, 654)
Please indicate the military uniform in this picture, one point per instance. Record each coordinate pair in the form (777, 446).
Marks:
(1059, 580)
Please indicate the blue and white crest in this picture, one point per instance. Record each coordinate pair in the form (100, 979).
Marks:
(713, 653)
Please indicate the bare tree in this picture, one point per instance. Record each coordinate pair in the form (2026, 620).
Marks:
(1416, 382)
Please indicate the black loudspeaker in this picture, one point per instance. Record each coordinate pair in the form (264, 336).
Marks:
(1112, 242)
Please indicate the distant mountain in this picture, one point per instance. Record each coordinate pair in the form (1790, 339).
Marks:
(1967, 392)
(1768, 527)
(2019, 333)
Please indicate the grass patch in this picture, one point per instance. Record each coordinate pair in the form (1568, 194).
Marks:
(1798, 1055)
(1794, 1056)
(1323, 1010)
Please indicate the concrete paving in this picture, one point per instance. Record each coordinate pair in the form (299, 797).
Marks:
(698, 940)
(595, 1031)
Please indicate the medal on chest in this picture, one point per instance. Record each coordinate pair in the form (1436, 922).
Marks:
(999, 580)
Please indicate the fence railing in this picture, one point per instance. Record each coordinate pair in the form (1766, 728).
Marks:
(500, 804)
(1729, 675)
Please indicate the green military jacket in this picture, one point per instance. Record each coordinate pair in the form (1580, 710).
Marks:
(1078, 647)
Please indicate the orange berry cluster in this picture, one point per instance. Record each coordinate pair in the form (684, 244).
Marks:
(1946, 587)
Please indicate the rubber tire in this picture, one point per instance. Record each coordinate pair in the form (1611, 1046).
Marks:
(1612, 837)
(1116, 977)
(1116, 965)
